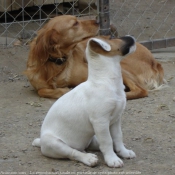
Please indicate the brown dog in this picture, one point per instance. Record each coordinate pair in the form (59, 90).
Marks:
(57, 60)
(141, 72)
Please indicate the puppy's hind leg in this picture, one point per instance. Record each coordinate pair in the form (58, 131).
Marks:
(36, 142)
(117, 138)
(52, 146)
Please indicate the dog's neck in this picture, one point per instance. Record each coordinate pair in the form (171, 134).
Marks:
(58, 61)
(63, 59)
(104, 69)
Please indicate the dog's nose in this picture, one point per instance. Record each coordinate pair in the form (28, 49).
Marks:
(97, 20)
(112, 37)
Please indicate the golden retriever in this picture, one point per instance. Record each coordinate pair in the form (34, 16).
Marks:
(57, 62)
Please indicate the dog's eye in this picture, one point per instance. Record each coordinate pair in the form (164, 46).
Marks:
(76, 23)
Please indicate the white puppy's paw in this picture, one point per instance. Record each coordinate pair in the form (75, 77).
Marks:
(114, 162)
(126, 153)
(90, 159)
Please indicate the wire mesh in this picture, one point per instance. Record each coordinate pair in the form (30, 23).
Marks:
(150, 21)
(21, 19)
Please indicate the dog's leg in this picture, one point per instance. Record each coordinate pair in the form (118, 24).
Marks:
(135, 91)
(93, 146)
(117, 137)
(52, 146)
(53, 93)
(106, 145)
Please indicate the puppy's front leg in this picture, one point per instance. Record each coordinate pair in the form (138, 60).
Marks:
(117, 137)
(106, 144)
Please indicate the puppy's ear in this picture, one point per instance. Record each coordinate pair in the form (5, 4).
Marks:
(45, 43)
(94, 42)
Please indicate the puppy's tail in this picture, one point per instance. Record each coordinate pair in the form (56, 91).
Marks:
(36, 142)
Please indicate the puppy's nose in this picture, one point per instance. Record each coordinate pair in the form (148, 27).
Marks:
(129, 44)
(129, 40)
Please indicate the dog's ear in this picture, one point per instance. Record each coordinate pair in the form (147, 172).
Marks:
(45, 44)
(103, 44)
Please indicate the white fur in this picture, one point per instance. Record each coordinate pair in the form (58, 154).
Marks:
(103, 44)
(89, 116)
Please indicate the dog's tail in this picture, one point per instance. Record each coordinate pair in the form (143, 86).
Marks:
(36, 142)
(157, 82)
(163, 85)
(154, 85)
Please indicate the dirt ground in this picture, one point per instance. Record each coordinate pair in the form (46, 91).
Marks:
(148, 126)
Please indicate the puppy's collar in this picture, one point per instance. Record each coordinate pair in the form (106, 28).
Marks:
(58, 61)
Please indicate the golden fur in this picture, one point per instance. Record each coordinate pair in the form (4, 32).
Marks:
(66, 36)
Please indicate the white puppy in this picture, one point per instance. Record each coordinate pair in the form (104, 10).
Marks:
(90, 114)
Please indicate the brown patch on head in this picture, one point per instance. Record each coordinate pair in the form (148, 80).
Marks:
(120, 46)
(71, 30)
(115, 46)
(60, 34)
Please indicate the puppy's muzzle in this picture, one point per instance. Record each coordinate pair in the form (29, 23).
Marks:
(129, 45)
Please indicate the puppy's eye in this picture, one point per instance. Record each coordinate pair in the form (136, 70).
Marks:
(76, 23)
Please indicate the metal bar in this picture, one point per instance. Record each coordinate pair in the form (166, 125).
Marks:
(23, 19)
(6, 42)
(27, 21)
(159, 43)
(104, 17)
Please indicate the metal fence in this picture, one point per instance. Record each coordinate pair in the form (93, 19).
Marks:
(151, 22)
(21, 19)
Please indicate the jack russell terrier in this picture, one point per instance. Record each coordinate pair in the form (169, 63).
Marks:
(89, 116)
